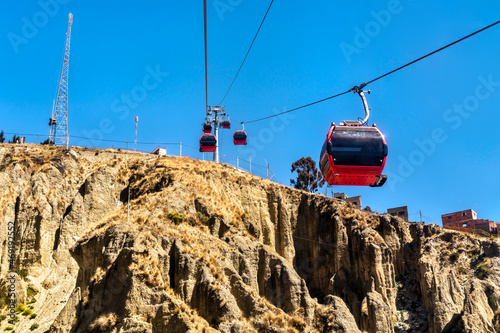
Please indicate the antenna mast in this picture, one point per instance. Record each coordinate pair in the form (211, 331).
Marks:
(59, 121)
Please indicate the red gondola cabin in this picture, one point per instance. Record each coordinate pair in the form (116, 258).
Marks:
(226, 124)
(354, 155)
(207, 128)
(208, 143)
(240, 138)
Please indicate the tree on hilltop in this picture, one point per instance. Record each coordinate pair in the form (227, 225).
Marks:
(308, 177)
(48, 142)
(2, 137)
(15, 139)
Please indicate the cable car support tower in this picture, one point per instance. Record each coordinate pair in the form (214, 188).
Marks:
(214, 115)
(59, 121)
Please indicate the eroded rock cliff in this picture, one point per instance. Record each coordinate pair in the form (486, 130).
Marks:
(207, 248)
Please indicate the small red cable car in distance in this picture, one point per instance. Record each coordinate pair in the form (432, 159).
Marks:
(354, 154)
(208, 143)
(207, 128)
(240, 138)
(226, 124)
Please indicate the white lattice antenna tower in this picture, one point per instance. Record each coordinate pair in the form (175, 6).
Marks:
(59, 121)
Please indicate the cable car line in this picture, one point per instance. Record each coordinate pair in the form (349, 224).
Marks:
(206, 60)
(297, 108)
(361, 86)
(246, 55)
(433, 52)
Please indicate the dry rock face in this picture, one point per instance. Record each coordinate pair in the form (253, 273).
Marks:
(206, 248)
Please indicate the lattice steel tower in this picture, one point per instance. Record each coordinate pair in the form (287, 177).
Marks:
(59, 121)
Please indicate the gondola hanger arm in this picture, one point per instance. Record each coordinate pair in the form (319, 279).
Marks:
(359, 90)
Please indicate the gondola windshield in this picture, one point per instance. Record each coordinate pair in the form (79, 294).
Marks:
(240, 135)
(357, 147)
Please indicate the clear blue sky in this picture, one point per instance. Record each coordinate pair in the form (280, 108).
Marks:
(440, 116)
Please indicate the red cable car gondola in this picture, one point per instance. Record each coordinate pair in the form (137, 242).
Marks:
(207, 128)
(240, 138)
(354, 154)
(226, 124)
(208, 143)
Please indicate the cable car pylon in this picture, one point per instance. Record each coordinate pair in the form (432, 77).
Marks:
(210, 142)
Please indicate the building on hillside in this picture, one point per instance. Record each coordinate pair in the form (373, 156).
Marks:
(453, 218)
(162, 151)
(356, 201)
(467, 219)
(401, 212)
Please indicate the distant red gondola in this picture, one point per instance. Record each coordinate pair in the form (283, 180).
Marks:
(207, 128)
(354, 154)
(226, 124)
(240, 138)
(208, 143)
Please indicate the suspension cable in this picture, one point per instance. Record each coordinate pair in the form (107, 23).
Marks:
(295, 109)
(206, 68)
(246, 55)
(433, 52)
(361, 86)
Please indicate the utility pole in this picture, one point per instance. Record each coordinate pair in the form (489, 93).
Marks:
(59, 121)
(420, 211)
(135, 143)
(268, 168)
